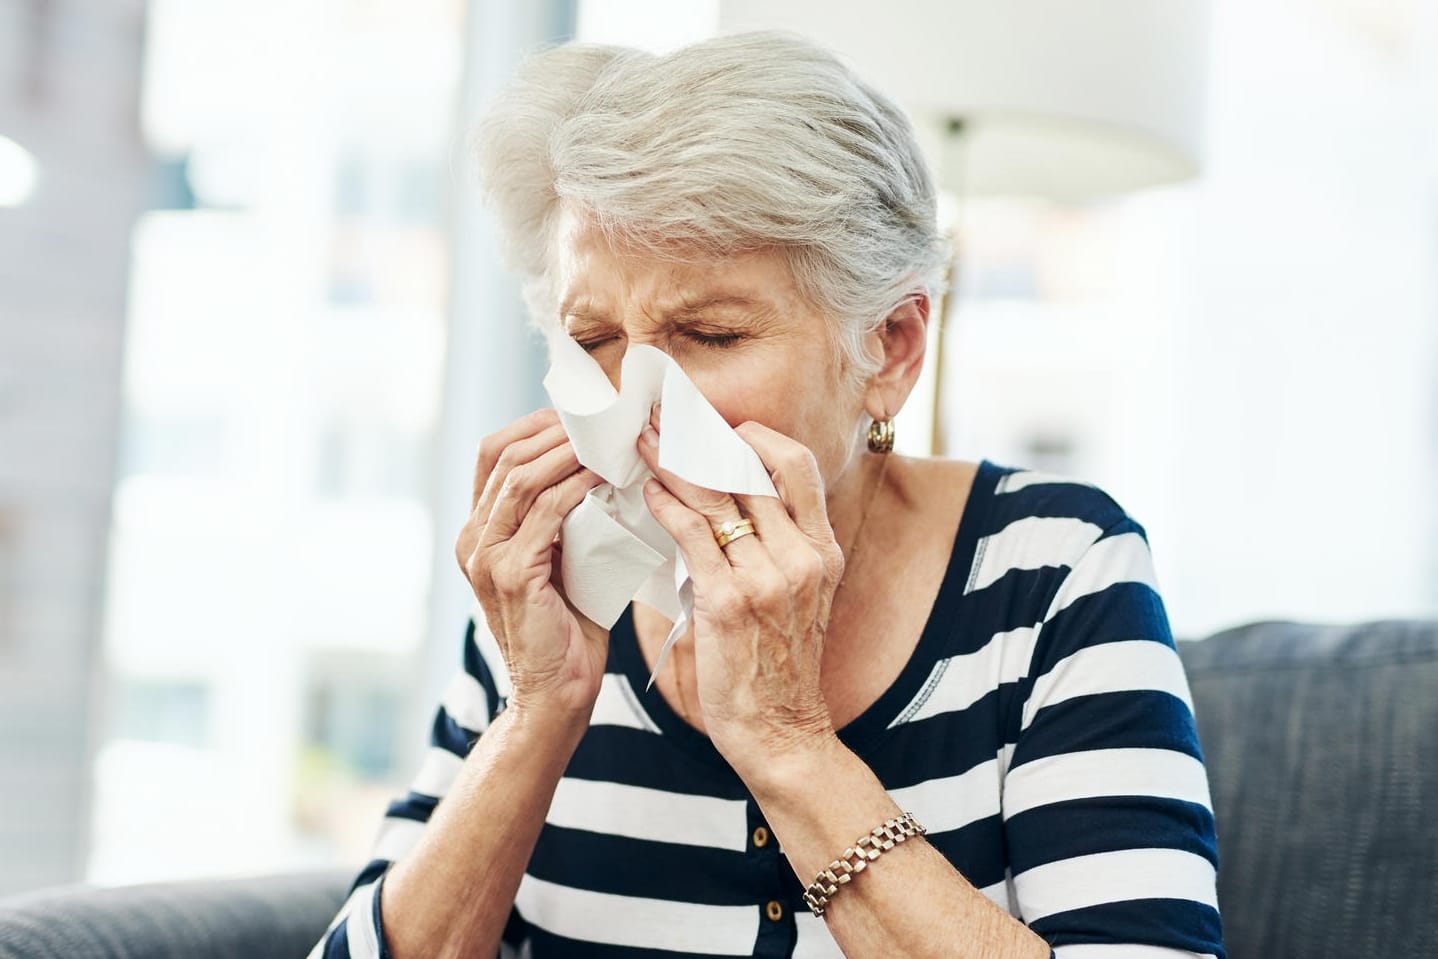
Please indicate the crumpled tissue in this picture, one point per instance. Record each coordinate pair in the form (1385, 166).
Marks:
(612, 549)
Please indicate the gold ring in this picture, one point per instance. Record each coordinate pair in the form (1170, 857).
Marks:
(726, 533)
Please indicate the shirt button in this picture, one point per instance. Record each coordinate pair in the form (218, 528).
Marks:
(761, 837)
(774, 910)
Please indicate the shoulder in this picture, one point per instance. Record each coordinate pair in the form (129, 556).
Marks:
(1026, 529)
(1043, 493)
(1069, 511)
(1003, 495)
(993, 498)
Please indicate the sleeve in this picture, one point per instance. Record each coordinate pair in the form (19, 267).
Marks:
(469, 704)
(1106, 807)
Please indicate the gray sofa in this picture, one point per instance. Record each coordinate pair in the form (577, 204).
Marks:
(1321, 753)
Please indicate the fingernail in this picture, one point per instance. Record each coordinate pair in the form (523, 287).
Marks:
(651, 485)
(649, 437)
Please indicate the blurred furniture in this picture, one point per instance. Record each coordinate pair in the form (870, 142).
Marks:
(1062, 100)
(272, 917)
(1321, 758)
(1325, 785)
(1040, 99)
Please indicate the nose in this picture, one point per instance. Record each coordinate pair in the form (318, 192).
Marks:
(612, 363)
(612, 360)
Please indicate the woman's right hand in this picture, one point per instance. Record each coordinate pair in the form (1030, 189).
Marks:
(526, 480)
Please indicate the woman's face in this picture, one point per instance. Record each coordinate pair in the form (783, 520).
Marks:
(736, 326)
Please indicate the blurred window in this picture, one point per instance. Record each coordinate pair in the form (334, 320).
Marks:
(271, 542)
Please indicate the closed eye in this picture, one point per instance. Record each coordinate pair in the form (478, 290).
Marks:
(589, 346)
(715, 341)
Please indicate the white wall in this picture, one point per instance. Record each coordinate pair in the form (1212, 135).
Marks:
(1305, 469)
(1248, 361)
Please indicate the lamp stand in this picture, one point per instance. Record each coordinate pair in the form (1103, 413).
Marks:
(949, 160)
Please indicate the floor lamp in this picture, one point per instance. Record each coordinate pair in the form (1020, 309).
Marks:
(1056, 99)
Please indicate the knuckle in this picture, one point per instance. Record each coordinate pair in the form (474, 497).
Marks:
(488, 452)
(810, 566)
(691, 525)
(769, 591)
(508, 460)
(550, 502)
(474, 566)
(710, 501)
(505, 579)
(518, 481)
(799, 461)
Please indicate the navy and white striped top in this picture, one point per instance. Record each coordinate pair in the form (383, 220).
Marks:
(1042, 732)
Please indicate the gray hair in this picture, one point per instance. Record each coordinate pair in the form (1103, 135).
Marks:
(739, 143)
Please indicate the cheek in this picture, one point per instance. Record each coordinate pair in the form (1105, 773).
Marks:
(740, 390)
(800, 410)
(787, 394)
(738, 399)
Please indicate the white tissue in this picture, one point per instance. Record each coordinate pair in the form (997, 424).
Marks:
(612, 550)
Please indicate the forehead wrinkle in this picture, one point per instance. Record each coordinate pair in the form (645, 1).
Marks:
(693, 302)
(584, 307)
(698, 304)
(684, 305)
(655, 293)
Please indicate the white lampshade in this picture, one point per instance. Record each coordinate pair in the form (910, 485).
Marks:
(1067, 99)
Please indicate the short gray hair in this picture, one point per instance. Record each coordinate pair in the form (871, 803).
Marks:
(739, 143)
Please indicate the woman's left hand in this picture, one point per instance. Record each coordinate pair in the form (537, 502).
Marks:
(761, 604)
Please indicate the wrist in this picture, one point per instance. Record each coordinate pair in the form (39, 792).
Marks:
(548, 723)
(818, 800)
(784, 770)
(552, 697)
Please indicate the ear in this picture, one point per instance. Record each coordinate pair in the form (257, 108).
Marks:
(900, 342)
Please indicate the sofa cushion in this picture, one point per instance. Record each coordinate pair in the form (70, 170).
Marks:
(274, 917)
(1320, 743)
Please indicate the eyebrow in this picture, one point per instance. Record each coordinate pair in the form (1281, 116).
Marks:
(718, 300)
(686, 310)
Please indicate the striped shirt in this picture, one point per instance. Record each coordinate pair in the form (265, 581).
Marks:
(1042, 731)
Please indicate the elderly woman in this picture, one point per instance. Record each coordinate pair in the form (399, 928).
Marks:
(924, 708)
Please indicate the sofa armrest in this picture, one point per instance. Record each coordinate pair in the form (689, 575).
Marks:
(1319, 742)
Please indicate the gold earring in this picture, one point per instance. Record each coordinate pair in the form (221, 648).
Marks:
(881, 436)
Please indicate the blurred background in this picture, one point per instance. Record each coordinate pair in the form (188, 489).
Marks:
(253, 325)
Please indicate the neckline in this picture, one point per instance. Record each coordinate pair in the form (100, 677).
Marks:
(862, 733)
